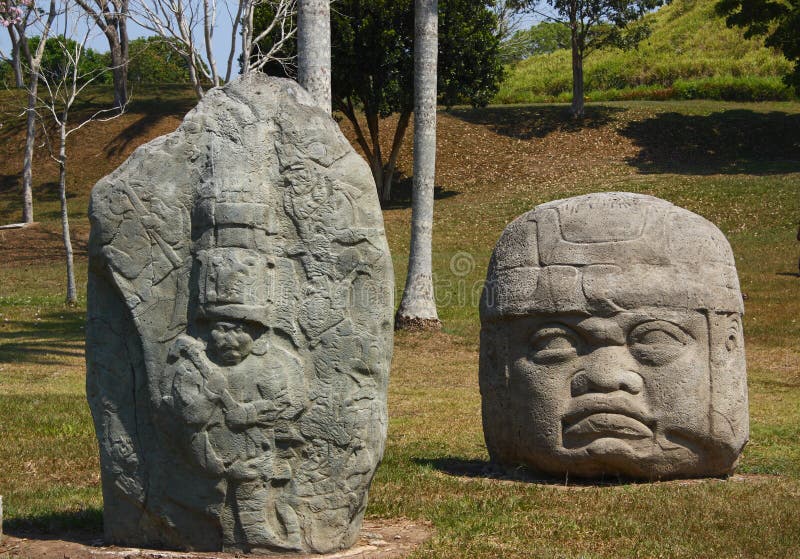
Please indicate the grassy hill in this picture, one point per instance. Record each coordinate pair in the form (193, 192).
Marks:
(691, 54)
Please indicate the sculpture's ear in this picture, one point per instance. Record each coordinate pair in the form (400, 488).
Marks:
(494, 377)
(729, 403)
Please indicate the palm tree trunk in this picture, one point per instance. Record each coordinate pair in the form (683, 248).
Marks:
(418, 305)
(314, 49)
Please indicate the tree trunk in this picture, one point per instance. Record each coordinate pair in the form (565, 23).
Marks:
(382, 174)
(72, 292)
(16, 59)
(122, 87)
(209, 15)
(391, 164)
(30, 140)
(577, 77)
(34, 63)
(193, 77)
(418, 305)
(314, 49)
(119, 72)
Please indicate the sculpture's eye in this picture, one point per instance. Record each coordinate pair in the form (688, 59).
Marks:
(657, 342)
(554, 343)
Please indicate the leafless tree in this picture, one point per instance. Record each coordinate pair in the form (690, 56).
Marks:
(15, 15)
(62, 89)
(509, 18)
(111, 17)
(41, 22)
(189, 28)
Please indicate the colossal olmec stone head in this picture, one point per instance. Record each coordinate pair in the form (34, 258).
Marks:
(611, 342)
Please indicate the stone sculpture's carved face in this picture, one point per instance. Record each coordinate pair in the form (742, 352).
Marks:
(230, 343)
(629, 386)
(612, 342)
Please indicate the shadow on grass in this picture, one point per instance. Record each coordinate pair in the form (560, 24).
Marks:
(37, 341)
(49, 191)
(152, 111)
(726, 142)
(10, 183)
(121, 141)
(525, 123)
(82, 526)
(401, 194)
(460, 467)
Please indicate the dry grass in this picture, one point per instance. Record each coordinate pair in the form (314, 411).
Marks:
(493, 165)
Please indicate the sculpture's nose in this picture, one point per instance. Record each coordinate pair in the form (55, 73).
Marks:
(608, 369)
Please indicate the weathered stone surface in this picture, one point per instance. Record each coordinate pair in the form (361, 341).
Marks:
(240, 329)
(611, 342)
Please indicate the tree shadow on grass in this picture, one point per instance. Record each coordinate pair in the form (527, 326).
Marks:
(37, 341)
(483, 469)
(725, 142)
(151, 112)
(402, 190)
(50, 191)
(82, 526)
(10, 183)
(132, 133)
(525, 123)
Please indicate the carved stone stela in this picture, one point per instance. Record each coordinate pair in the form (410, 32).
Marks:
(240, 329)
(611, 342)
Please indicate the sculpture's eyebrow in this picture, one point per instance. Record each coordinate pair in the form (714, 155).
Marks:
(601, 330)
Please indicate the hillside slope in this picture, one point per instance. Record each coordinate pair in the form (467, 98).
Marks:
(690, 54)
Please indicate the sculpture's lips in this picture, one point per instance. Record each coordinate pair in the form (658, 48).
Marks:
(609, 425)
(599, 416)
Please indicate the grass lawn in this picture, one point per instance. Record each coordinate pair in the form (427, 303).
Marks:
(736, 164)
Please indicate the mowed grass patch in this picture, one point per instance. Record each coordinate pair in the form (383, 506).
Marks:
(50, 463)
(494, 164)
(436, 468)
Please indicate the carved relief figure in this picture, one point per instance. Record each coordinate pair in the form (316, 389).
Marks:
(240, 330)
(612, 342)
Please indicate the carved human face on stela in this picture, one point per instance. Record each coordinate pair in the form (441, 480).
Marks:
(230, 343)
(628, 388)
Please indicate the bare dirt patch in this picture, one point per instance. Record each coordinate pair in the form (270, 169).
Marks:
(380, 539)
(40, 243)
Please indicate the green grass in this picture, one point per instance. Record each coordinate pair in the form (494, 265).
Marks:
(738, 165)
(691, 54)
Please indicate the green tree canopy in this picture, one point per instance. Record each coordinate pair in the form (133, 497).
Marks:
(373, 66)
(778, 20)
(153, 60)
(593, 24)
(55, 62)
(543, 38)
